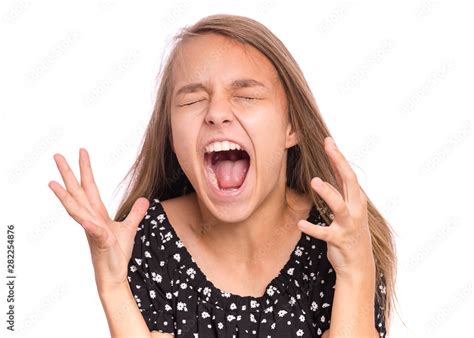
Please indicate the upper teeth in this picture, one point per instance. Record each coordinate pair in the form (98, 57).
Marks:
(221, 146)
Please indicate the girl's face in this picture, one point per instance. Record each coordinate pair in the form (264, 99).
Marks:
(227, 91)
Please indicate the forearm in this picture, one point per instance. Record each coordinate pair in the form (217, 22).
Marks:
(353, 307)
(123, 316)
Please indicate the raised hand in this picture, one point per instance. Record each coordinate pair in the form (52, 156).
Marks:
(110, 242)
(348, 236)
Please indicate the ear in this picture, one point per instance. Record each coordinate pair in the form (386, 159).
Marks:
(291, 136)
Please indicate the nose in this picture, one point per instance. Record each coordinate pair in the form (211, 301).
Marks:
(219, 112)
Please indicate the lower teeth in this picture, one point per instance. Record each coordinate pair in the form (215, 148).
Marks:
(228, 189)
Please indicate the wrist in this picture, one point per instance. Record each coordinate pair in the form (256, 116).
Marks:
(111, 290)
(361, 275)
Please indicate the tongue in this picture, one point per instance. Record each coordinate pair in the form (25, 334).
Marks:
(231, 174)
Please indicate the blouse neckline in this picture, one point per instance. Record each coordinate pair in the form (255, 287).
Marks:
(229, 301)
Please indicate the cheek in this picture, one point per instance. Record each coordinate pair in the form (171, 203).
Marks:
(268, 132)
(184, 142)
(270, 157)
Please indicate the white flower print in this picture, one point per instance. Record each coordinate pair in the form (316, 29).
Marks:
(205, 314)
(314, 306)
(269, 309)
(207, 291)
(168, 236)
(156, 277)
(191, 272)
(230, 318)
(147, 254)
(290, 271)
(281, 313)
(299, 333)
(177, 257)
(133, 268)
(152, 294)
(252, 318)
(182, 306)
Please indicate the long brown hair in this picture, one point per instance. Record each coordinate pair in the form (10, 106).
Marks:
(157, 173)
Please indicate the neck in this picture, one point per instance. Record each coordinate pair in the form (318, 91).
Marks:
(249, 241)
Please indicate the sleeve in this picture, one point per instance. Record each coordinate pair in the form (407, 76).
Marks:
(148, 276)
(323, 293)
(379, 310)
(327, 286)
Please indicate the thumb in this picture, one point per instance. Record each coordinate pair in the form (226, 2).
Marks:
(137, 213)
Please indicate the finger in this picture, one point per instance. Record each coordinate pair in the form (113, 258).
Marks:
(339, 179)
(70, 181)
(350, 183)
(323, 233)
(88, 182)
(74, 209)
(136, 213)
(332, 197)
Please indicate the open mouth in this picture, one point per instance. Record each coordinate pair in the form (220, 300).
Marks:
(227, 169)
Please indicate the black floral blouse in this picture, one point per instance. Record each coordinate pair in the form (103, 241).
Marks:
(175, 296)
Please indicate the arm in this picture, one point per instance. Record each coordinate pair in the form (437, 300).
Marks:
(110, 244)
(123, 315)
(349, 249)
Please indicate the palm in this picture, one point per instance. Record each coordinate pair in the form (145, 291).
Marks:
(110, 242)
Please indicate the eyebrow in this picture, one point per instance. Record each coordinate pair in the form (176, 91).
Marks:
(241, 83)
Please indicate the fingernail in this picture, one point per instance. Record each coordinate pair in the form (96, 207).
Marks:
(317, 182)
(302, 225)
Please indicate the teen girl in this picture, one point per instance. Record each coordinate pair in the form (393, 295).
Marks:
(243, 218)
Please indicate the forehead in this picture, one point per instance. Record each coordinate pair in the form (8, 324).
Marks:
(212, 57)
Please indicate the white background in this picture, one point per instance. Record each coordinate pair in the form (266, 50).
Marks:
(393, 81)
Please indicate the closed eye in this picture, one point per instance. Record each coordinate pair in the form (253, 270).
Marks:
(190, 103)
(248, 98)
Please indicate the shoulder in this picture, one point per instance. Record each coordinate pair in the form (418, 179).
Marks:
(183, 214)
(174, 207)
